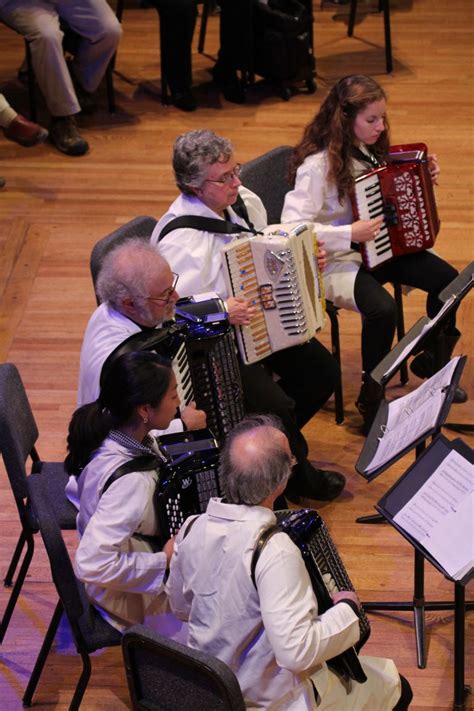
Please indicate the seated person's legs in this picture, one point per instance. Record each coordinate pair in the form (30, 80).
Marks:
(39, 24)
(177, 22)
(263, 395)
(234, 21)
(100, 33)
(379, 317)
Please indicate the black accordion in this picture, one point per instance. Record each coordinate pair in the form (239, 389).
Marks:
(328, 575)
(188, 478)
(201, 347)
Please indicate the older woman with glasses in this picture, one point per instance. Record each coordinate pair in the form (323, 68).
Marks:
(207, 174)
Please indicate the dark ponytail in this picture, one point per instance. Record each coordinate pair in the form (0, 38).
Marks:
(136, 378)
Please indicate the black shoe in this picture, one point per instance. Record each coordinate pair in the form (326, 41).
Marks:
(460, 396)
(368, 401)
(184, 100)
(315, 483)
(423, 366)
(64, 134)
(229, 84)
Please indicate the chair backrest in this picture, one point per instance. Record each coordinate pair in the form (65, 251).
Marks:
(90, 631)
(18, 430)
(141, 227)
(164, 675)
(267, 176)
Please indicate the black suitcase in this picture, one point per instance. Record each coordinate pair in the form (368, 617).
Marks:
(280, 46)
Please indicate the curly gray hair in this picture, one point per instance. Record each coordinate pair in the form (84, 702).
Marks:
(193, 152)
(128, 270)
(253, 462)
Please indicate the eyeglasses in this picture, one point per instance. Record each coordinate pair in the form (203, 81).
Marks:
(227, 177)
(166, 298)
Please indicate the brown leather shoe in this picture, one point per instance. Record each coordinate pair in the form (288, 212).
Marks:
(25, 132)
(3, 182)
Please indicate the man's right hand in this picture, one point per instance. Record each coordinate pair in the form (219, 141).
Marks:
(366, 230)
(193, 419)
(240, 311)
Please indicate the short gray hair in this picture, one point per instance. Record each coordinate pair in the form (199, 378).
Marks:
(127, 270)
(193, 152)
(249, 481)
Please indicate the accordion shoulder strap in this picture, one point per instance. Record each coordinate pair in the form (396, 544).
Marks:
(138, 464)
(210, 224)
(259, 546)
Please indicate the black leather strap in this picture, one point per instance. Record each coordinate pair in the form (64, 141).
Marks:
(211, 224)
(138, 464)
(264, 537)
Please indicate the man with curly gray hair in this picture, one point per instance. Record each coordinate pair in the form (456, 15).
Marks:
(137, 291)
(207, 175)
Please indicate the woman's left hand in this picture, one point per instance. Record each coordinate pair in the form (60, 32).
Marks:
(433, 167)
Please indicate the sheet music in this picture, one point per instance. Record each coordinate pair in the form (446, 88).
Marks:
(424, 404)
(441, 514)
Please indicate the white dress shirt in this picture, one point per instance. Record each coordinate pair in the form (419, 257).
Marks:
(107, 329)
(315, 199)
(122, 574)
(271, 637)
(195, 254)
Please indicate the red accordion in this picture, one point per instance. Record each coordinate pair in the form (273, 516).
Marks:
(403, 192)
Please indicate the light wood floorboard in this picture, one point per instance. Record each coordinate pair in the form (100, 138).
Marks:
(55, 208)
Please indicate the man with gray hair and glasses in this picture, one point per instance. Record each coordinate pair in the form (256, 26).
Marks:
(207, 175)
(268, 631)
(137, 291)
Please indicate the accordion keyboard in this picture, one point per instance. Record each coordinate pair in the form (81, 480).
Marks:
(370, 204)
(183, 376)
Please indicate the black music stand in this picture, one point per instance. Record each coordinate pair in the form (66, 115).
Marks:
(400, 495)
(418, 604)
(459, 286)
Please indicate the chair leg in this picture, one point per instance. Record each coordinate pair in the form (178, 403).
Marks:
(83, 680)
(31, 83)
(203, 28)
(336, 351)
(8, 580)
(352, 17)
(400, 328)
(109, 80)
(388, 36)
(43, 654)
(29, 540)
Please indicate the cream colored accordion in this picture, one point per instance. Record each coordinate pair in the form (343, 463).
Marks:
(277, 271)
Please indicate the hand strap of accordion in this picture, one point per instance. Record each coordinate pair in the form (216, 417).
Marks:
(210, 224)
(138, 464)
(259, 546)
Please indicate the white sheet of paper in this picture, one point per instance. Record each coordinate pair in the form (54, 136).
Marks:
(440, 514)
(412, 415)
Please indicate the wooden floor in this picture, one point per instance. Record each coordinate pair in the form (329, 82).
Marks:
(55, 208)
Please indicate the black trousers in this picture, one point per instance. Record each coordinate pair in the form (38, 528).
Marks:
(235, 38)
(177, 22)
(422, 270)
(307, 377)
